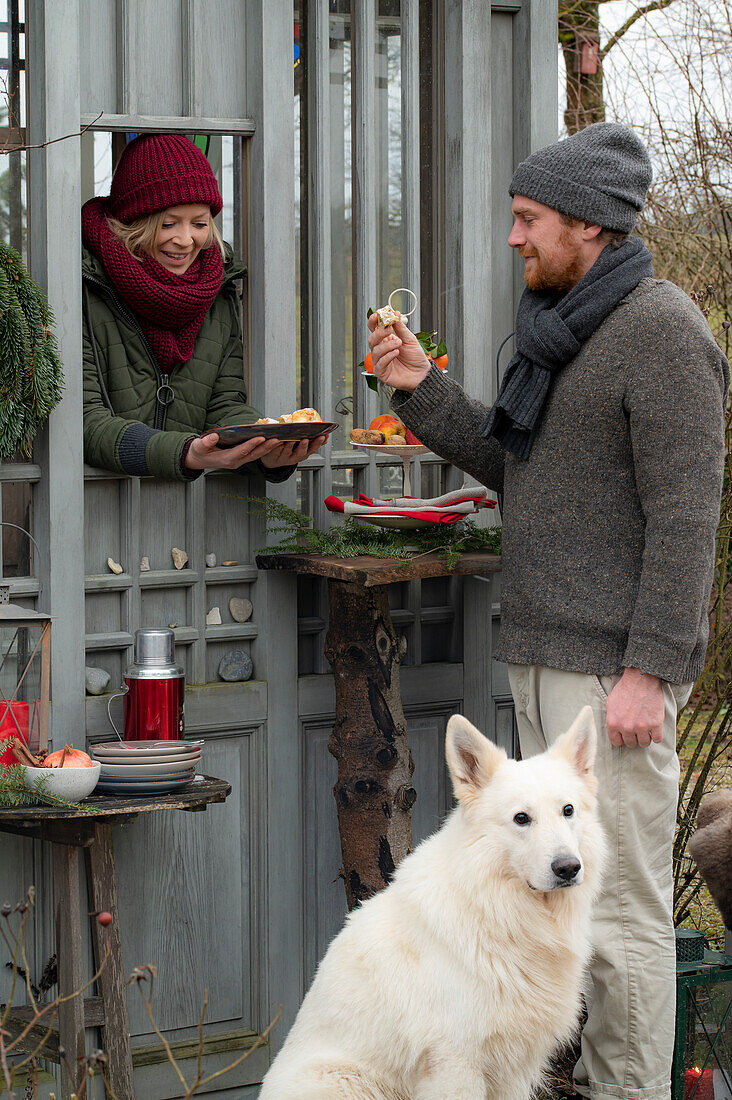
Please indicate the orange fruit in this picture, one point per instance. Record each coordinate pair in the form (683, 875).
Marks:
(440, 361)
(368, 364)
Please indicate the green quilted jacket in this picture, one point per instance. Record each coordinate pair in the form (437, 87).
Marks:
(138, 420)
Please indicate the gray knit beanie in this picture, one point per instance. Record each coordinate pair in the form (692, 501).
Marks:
(600, 174)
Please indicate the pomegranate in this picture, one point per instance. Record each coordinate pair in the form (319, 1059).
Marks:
(68, 757)
(412, 439)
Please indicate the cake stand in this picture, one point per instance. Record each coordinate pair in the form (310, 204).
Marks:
(406, 453)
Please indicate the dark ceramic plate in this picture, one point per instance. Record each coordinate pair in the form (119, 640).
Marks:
(240, 433)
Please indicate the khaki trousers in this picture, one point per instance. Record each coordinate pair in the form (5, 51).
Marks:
(628, 1040)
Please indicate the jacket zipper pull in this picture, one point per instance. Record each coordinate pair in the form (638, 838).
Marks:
(165, 396)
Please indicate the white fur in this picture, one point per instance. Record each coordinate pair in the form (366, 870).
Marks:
(462, 977)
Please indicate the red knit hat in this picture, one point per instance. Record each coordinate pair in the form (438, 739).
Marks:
(156, 171)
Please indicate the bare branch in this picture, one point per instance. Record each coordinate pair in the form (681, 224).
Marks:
(6, 149)
(653, 5)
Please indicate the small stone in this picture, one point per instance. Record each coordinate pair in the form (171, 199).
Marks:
(235, 665)
(240, 609)
(229, 562)
(211, 561)
(97, 680)
(144, 565)
(179, 557)
(214, 617)
(114, 565)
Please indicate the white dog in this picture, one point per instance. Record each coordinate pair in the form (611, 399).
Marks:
(459, 980)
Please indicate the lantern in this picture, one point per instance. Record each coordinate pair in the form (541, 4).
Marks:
(702, 1067)
(25, 676)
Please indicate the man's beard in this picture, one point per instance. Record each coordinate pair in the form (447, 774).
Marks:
(561, 271)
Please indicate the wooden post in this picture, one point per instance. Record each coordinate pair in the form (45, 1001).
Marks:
(102, 886)
(68, 949)
(374, 794)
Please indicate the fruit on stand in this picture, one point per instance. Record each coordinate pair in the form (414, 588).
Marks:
(365, 435)
(389, 425)
(412, 440)
(68, 757)
(397, 440)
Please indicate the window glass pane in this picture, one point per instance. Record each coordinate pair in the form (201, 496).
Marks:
(391, 480)
(387, 148)
(102, 163)
(16, 549)
(343, 481)
(341, 215)
(13, 199)
(300, 197)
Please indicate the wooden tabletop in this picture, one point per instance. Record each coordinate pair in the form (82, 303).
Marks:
(56, 823)
(370, 571)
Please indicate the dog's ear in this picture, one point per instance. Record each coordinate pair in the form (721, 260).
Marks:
(471, 758)
(579, 744)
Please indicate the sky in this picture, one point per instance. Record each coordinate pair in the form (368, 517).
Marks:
(647, 66)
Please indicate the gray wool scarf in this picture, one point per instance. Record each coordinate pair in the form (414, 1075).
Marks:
(550, 330)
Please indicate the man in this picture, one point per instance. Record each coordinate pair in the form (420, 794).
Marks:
(607, 442)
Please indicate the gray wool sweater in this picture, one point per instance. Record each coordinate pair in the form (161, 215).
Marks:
(609, 526)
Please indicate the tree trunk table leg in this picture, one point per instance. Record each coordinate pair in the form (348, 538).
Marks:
(374, 794)
(102, 886)
(68, 950)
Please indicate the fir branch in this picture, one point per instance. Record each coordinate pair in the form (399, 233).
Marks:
(351, 538)
(31, 376)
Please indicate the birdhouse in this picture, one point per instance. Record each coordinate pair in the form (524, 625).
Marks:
(25, 676)
(702, 1066)
(587, 57)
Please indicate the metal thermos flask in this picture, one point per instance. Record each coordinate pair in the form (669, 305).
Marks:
(153, 706)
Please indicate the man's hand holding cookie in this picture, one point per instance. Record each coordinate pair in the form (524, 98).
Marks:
(397, 355)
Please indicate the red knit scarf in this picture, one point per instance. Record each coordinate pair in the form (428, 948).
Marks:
(171, 308)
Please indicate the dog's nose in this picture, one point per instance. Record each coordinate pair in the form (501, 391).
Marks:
(566, 868)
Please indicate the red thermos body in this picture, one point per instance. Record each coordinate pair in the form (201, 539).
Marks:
(154, 701)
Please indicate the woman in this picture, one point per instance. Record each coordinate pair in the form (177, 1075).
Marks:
(162, 341)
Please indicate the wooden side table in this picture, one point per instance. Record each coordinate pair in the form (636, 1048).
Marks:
(373, 794)
(68, 831)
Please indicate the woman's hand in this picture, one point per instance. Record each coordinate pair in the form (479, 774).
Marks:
(291, 453)
(398, 358)
(203, 454)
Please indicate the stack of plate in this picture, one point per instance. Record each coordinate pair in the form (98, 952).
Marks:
(146, 767)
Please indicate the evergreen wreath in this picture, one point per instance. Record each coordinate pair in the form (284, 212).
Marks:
(31, 375)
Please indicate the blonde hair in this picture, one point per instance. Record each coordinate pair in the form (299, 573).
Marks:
(139, 236)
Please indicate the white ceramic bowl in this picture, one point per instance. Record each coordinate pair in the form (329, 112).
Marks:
(70, 783)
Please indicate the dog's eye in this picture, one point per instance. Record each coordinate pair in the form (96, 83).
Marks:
(522, 819)
(568, 810)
